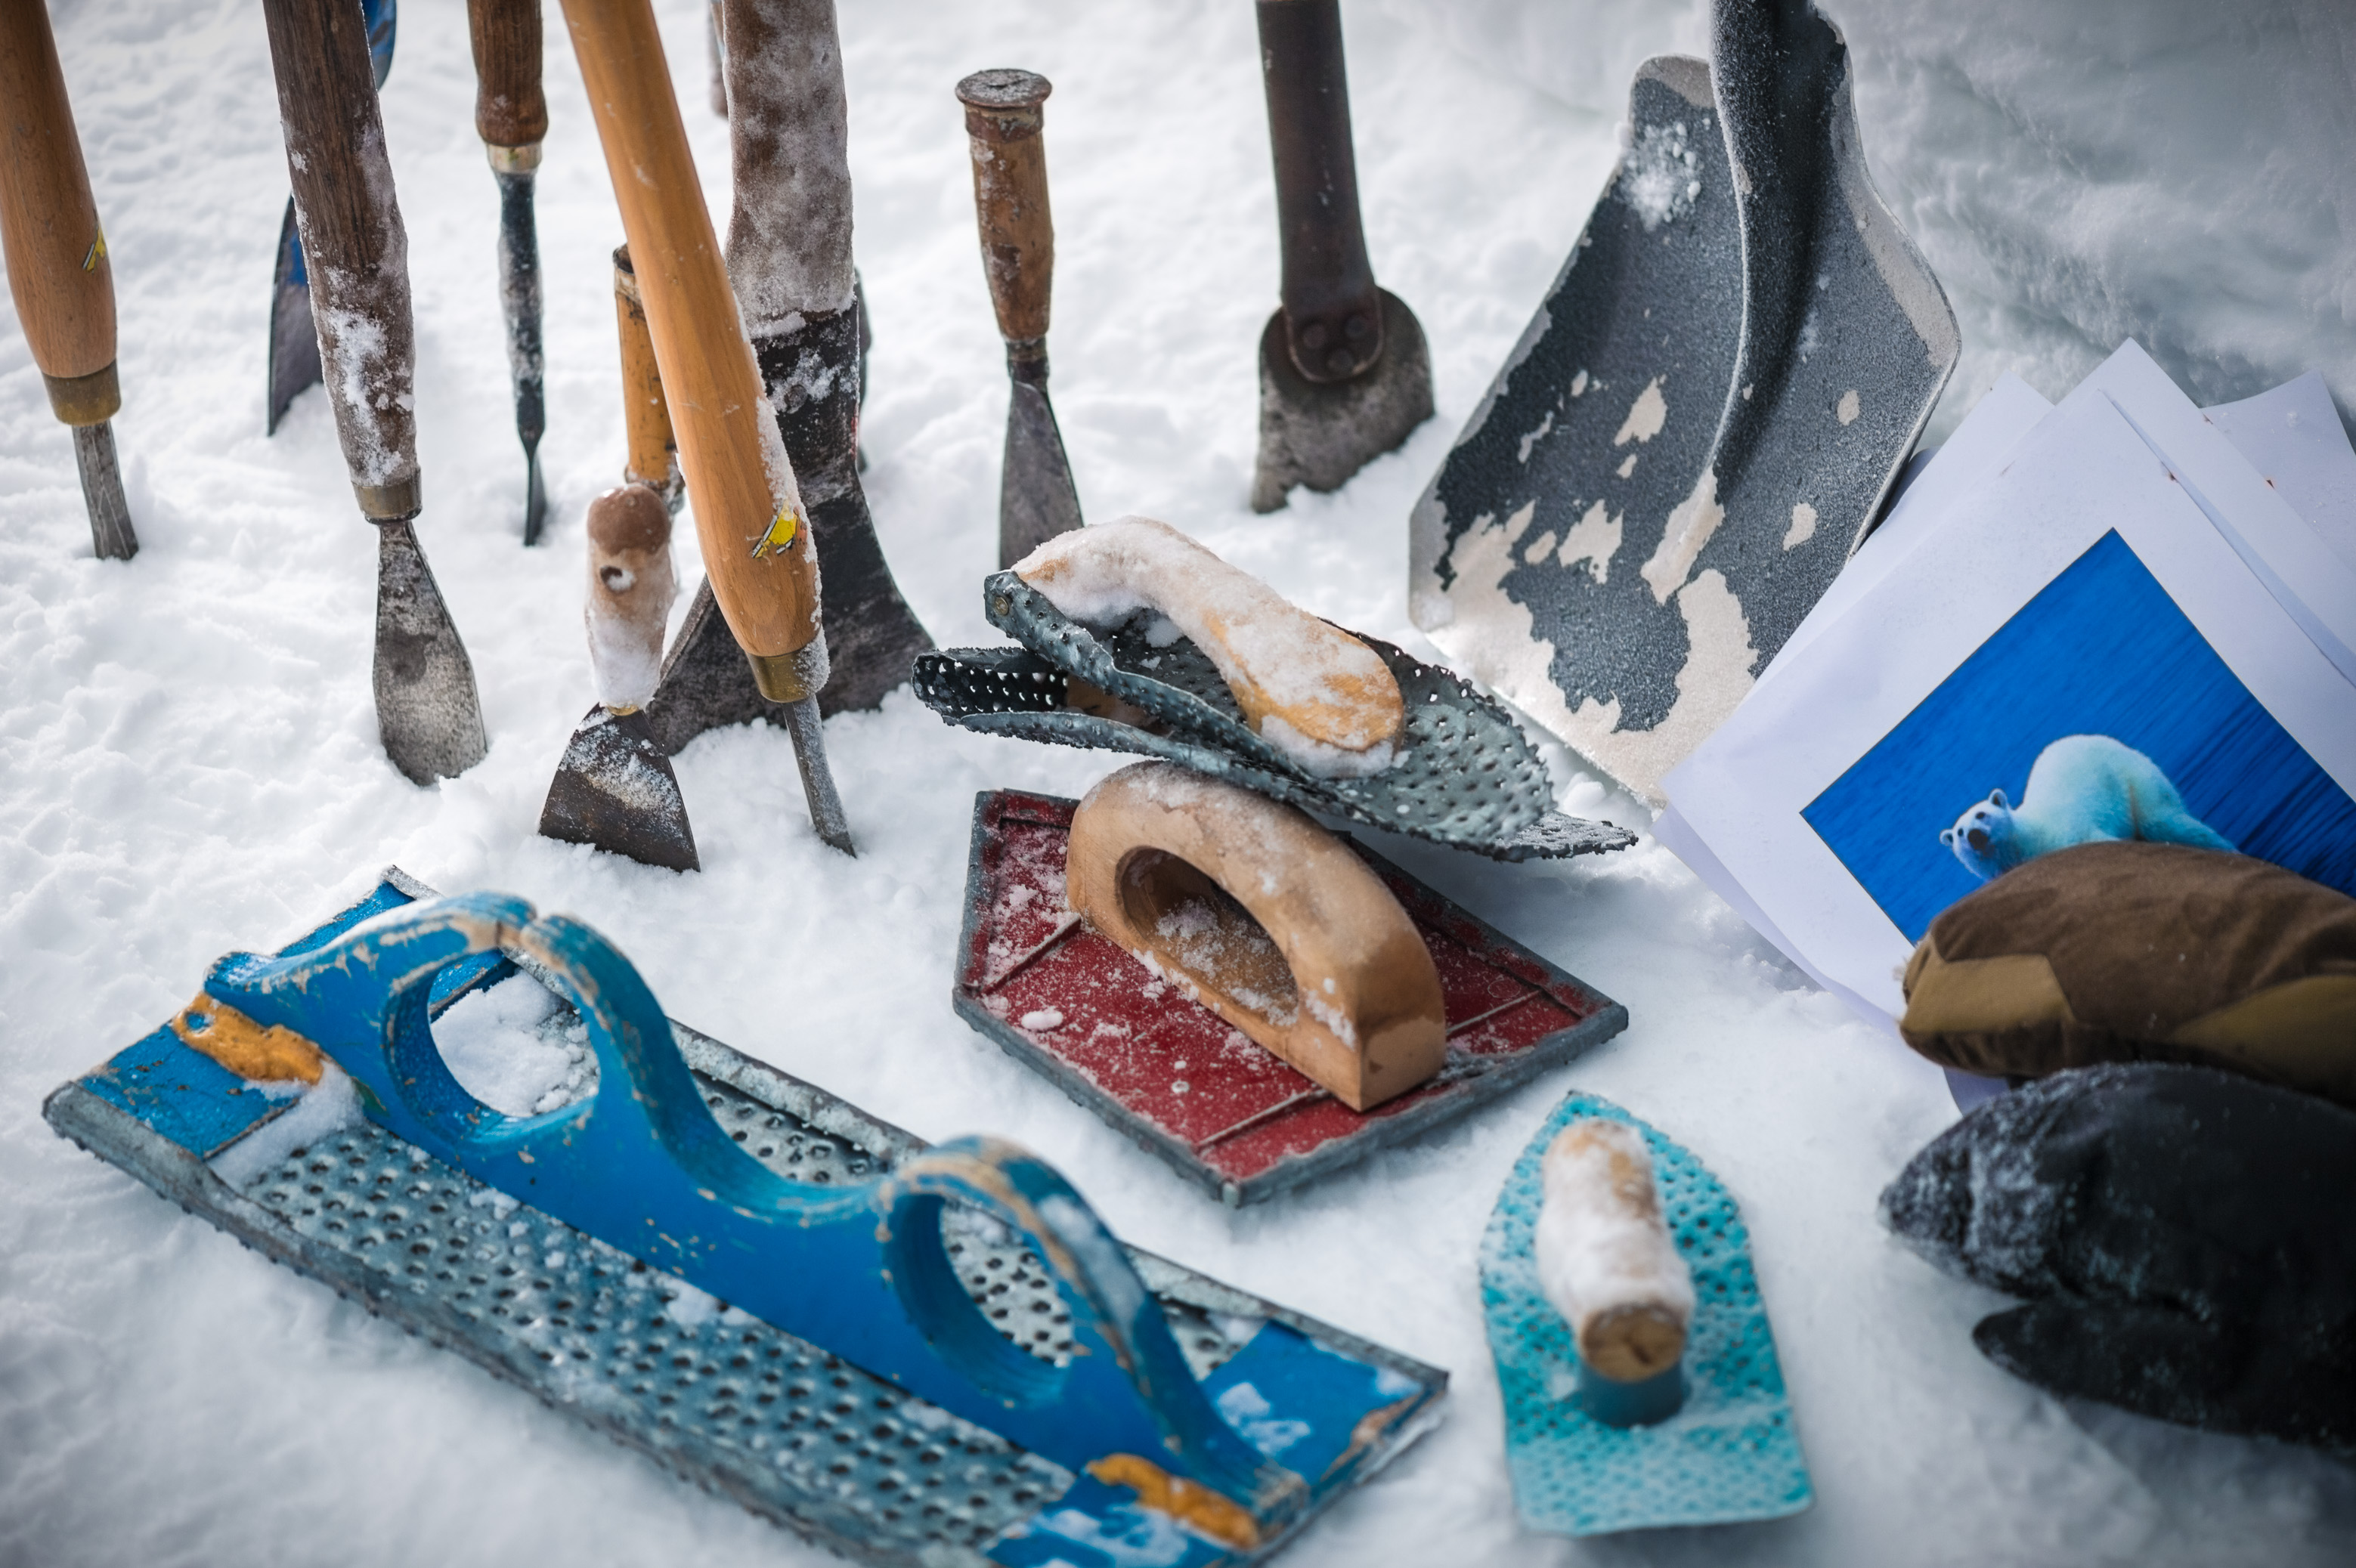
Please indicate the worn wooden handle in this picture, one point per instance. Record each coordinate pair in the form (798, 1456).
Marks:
(748, 512)
(630, 592)
(58, 267)
(509, 110)
(789, 232)
(1002, 120)
(654, 451)
(353, 243)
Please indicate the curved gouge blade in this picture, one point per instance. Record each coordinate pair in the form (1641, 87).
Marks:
(102, 489)
(426, 708)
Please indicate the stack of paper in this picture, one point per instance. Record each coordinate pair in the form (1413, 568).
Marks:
(2121, 565)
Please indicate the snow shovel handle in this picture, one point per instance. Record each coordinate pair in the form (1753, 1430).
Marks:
(748, 512)
(1003, 121)
(1333, 315)
(57, 257)
(357, 251)
(510, 113)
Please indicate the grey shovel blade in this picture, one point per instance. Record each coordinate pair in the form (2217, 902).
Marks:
(426, 709)
(615, 791)
(1319, 435)
(293, 340)
(1036, 499)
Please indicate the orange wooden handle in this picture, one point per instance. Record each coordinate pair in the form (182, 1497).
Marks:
(654, 455)
(748, 512)
(58, 267)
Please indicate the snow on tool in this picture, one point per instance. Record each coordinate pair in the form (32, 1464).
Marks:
(511, 117)
(58, 267)
(1612, 1250)
(1704, 417)
(770, 1292)
(294, 338)
(427, 712)
(1344, 374)
(1004, 114)
(759, 556)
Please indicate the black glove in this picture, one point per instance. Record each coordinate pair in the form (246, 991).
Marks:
(2186, 1240)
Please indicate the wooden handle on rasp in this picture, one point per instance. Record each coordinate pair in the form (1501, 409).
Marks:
(353, 244)
(510, 113)
(654, 451)
(789, 231)
(1003, 121)
(748, 514)
(58, 267)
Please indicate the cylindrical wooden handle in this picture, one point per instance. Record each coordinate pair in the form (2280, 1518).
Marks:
(654, 452)
(748, 512)
(789, 233)
(1002, 120)
(353, 244)
(57, 257)
(630, 592)
(1332, 314)
(510, 111)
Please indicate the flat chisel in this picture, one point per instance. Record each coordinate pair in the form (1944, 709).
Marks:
(511, 117)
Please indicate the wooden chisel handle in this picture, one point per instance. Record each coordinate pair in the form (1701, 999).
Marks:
(1003, 121)
(654, 452)
(790, 229)
(748, 512)
(57, 257)
(510, 113)
(353, 244)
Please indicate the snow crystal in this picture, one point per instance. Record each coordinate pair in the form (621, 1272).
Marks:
(1656, 176)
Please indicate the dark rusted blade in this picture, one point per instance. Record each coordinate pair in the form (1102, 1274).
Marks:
(615, 791)
(101, 491)
(519, 301)
(426, 709)
(1320, 433)
(293, 340)
(1036, 500)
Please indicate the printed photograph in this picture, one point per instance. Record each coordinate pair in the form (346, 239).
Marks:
(2097, 712)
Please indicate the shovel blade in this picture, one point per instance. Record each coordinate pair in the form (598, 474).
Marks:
(426, 709)
(1319, 435)
(1036, 499)
(705, 683)
(293, 339)
(616, 791)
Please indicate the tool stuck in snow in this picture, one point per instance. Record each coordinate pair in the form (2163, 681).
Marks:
(1710, 1441)
(58, 266)
(294, 338)
(760, 554)
(511, 117)
(906, 1353)
(1701, 422)
(1344, 374)
(1004, 116)
(426, 708)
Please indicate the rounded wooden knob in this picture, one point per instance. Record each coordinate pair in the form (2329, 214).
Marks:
(631, 587)
(1269, 919)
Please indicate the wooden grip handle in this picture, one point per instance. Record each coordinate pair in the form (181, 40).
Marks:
(789, 233)
(58, 267)
(353, 243)
(1002, 118)
(630, 592)
(654, 452)
(510, 111)
(748, 514)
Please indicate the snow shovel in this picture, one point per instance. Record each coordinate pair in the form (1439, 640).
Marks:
(760, 553)
(58, 267)
(1344, 370)
(294, 341)
(511, 117)
(427, 712)
(1701, 422)
(1003, 118)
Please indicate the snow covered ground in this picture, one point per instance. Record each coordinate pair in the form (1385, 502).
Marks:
(188, 762)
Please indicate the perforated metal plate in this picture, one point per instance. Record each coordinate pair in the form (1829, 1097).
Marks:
(1466, 776)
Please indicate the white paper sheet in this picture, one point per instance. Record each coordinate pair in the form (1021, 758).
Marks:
(2294, 438)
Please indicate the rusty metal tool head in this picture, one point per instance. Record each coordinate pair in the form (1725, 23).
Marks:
(1344, 370)
(1003, 117)
(427, 711)
(58, 266)
(511, 117)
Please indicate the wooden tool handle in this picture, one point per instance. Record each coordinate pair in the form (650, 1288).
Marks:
(654, 452)
(353, 244)
(510, 111)
(1333, 315)
(1002, 120)
(58, 267)
(748, 512)
(630, 592)
(789, 232)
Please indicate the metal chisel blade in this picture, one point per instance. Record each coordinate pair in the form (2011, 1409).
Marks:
(101, 490)
(1036, 499)
(426, 708)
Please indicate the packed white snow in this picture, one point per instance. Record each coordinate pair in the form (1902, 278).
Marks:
(1602, 1249)
(189, 764)
(513, 1048)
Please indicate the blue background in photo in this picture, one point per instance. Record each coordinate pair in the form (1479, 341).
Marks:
(2102, 650)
